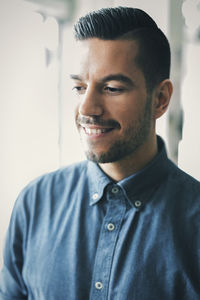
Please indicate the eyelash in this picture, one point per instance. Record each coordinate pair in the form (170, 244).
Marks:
(114, 90)
(79, 89)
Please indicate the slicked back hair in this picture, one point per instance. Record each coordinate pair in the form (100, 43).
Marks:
(130, 24)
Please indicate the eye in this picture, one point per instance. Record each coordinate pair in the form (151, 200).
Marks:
(79, 89)
(113, 90)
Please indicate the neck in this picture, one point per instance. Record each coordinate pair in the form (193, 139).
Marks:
(133, 163)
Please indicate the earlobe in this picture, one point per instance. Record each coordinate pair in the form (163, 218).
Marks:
(162, 97)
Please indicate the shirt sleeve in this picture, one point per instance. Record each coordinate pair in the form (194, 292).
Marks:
(12, 286)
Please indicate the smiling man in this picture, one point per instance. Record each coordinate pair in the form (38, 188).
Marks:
(124, 224)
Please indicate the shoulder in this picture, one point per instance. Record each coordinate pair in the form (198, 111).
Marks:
(178, 175)
(53, 185)
(183, 183)
(62, 175)
(46, 197)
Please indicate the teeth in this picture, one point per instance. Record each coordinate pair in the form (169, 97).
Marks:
(94, 131)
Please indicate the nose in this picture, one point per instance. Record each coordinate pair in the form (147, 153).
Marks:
(91, 103)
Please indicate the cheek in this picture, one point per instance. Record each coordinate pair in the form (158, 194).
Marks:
(76, 104)
(76, 113)
(129, 116)
(125, 113)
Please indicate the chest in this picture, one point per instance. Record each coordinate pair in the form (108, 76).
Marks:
(113, 251)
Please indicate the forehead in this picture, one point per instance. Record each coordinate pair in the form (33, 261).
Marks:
(101, 57)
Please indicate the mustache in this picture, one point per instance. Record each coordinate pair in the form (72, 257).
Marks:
(98, 121)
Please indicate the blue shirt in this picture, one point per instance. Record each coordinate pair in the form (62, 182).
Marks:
(75, 234)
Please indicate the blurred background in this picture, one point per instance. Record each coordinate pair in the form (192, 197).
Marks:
(37, 131)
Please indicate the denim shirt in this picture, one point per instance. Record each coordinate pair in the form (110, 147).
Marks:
(75, 234)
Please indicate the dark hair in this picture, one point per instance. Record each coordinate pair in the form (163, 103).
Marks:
(130, 23)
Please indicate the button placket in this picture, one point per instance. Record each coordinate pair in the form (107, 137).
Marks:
(107, 241)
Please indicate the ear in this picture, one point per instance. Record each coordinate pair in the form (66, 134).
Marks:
(161, 98)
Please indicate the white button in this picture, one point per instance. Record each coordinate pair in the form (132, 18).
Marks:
(111, 227)
(115, 190)
(95, 196)
(138, 203)
(98, 285)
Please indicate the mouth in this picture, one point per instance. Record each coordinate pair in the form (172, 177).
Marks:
(96, 132)
(96, 128)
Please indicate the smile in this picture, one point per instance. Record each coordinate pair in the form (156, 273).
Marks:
(96, 131)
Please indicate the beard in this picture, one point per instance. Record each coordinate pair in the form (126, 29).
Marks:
(133, 138)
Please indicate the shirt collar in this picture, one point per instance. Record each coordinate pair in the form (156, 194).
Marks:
(98, 181)
(137, 187)
(141, 185)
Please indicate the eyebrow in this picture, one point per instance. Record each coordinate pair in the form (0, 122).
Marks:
(76, 77)
(118, 77)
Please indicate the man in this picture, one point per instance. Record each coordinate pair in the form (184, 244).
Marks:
(124, 224)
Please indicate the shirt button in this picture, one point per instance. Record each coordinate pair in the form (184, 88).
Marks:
(95, 196)
(138, 203)
(115, 190)
(98, 285)
(111, 227)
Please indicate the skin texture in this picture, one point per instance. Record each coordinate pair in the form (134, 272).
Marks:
(113, 100)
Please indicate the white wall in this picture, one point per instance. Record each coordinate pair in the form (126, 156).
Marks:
(189, 150)
(28, 101)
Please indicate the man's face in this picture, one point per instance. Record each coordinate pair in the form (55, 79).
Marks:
(114, 113)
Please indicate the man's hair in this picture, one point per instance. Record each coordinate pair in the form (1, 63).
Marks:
(130, 24)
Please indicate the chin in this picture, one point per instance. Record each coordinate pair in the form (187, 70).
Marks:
(113, 155)
(102, 159)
